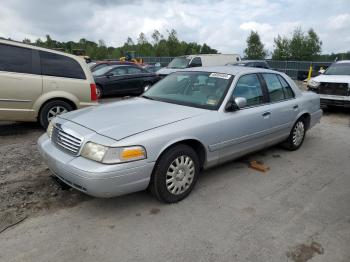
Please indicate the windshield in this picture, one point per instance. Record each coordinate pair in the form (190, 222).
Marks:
(197, 89)
(338, 69)
(102, 71)
(179, 63)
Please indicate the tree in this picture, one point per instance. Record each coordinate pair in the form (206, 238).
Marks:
(255, 49)
(142, 39)
(156, 36)
(300, 47)
(129, 41)
(281, 51)
(205, 49)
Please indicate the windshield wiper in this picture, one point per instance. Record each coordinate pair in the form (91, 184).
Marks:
(148, 97)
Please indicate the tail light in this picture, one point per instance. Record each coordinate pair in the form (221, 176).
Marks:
(93, 92)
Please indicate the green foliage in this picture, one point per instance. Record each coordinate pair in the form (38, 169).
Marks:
(255, 49)
(159, 46)
(301, 47)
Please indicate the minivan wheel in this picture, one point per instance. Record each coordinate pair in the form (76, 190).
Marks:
(296, 136)
(175, 174)
(51, 110)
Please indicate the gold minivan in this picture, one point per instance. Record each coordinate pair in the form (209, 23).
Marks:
(37, 84)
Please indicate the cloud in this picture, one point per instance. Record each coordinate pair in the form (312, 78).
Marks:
(223, 24)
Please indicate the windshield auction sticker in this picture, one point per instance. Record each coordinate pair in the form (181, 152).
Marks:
(220, 75)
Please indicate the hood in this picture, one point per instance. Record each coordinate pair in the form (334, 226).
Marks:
(332, 78)
(167, 71)
(128, 117)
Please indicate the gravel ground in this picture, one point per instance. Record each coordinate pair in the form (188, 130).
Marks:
(29, 191)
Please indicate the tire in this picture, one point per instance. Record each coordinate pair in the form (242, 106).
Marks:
(183, 161)
(296, 136)
(52, 109)
(99, 92)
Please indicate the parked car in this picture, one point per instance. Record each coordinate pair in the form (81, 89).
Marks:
(152, 68)
(100, 64)
(38, 84)
(123, 79)
(251, 63)
(333, 85)
(189, 121)
(188, 61)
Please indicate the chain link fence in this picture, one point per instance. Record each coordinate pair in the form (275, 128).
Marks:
(295, 69)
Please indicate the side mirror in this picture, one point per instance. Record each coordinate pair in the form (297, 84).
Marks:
(236, 104)
(109, 75)
(240, 102)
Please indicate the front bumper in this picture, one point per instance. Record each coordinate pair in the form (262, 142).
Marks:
(94, 178)
(333, 100)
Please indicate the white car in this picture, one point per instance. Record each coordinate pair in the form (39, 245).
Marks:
(182, 62)
(333, 85)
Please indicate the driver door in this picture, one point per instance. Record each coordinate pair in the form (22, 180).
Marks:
(246, 129)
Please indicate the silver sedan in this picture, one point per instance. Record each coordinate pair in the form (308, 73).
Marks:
(189, 121)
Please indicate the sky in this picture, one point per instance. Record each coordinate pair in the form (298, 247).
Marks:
(222, 24)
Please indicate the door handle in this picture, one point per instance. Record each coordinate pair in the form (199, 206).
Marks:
(266, 114)
(296, 107)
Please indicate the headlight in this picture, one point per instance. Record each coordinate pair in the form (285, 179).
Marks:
(49, 129)
(313, 83)
(113, 155)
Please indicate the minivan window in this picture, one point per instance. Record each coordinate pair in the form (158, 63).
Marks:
(274, 87)
(15, 59)
(249, 87)
(61, 66)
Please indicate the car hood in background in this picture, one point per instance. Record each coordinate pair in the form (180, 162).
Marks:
(167, 71)
(125, 118)
(332, 78)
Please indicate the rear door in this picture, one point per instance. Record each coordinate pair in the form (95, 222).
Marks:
(20, 82)
(63, 74)
(246, 129)
(283, 105)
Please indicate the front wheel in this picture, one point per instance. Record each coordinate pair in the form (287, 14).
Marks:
(51, 110)
(175, 174)
(296, 136)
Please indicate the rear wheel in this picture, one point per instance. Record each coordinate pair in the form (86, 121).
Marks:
(296, 136)
(175, 174)
(52, 109)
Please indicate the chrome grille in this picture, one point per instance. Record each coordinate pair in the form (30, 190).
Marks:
(66, 141)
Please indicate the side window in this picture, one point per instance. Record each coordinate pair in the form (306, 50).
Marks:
(15, 59)
(59, 65)
(119, 71)
(274, 87)
(249, 87)
(134, 70)
(196, 62)
(288, 92)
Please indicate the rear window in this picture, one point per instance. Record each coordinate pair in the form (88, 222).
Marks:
(61, 66)
(15, 59)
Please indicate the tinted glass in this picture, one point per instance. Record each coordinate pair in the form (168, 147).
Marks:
(15, 59)
(249, 87)
(103, 70)
(59, 65)
(274, 86)
(197, 89)
(119, 71)
(288, 92)
(134, 70)
(197, 61)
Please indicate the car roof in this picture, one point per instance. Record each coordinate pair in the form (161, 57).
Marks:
(232, 70)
